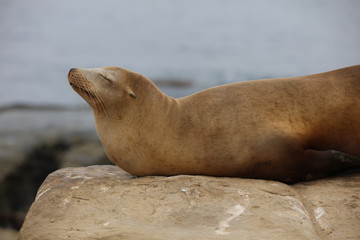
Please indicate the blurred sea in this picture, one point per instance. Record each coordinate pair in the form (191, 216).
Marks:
(201, 42)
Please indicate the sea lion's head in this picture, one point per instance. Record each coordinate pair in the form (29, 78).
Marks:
(104, 88)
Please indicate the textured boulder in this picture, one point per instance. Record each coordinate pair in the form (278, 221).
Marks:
(104, 202)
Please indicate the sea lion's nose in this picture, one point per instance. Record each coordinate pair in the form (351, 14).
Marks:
(72, 70)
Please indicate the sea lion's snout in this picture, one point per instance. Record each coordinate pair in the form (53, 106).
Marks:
(71, 70)
(75, 75)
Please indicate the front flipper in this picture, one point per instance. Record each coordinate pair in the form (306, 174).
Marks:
(324, 163)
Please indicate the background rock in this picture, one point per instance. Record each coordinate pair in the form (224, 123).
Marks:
(84, 154)
(36, 142)
(8, 234)
(104, 202)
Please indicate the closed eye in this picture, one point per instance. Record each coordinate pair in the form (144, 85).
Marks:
(106, 78)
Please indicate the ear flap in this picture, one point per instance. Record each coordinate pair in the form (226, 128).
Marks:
(131, 94)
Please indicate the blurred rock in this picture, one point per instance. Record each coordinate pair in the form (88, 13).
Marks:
(86, 154)
(36, 142)
(104, 202)
(22, 131)
(173, 82)
(8, 234)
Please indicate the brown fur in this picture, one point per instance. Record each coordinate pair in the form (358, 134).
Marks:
(281, 129)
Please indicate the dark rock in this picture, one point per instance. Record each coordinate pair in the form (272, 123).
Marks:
(34, 143)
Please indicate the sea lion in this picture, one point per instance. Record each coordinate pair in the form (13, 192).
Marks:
(280, 129)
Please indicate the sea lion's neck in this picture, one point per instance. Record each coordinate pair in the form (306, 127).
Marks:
(144, 120)
(150, 106)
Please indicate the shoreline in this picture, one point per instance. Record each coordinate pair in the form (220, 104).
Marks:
(42, 107)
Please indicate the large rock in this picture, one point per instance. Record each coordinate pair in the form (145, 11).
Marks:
(104, 202)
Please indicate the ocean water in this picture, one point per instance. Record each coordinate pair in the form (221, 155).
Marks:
(200, 42)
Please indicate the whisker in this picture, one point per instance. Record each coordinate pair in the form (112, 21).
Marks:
(101, 105)
(88, 89)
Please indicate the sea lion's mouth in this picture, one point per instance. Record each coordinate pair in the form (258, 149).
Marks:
(84, 91)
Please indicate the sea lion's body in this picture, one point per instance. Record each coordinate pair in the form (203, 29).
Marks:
(281, 129)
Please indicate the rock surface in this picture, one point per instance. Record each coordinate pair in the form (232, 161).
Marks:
(104, 202)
